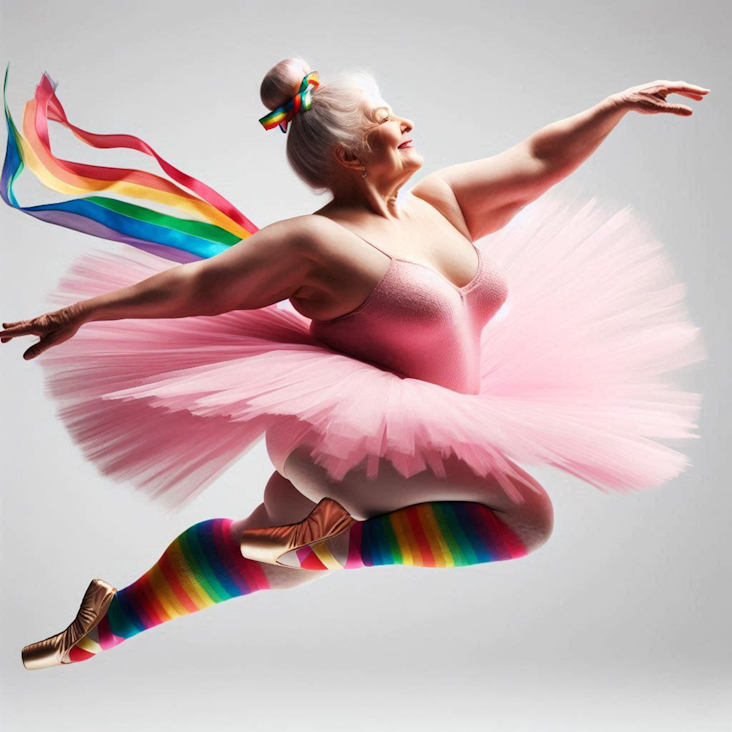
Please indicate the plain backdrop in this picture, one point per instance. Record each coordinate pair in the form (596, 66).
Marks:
(620, 622)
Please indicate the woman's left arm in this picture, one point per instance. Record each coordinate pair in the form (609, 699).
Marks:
(491, 191)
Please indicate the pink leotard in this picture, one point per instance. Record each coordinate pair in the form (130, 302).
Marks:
(417, 323)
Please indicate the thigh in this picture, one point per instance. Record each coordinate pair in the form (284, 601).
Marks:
(365, 497)
(282, 504)
(531, 517)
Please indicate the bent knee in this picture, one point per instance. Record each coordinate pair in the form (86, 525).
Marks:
(533, 524)
(285, 504)
(542, 528)
(533, 519)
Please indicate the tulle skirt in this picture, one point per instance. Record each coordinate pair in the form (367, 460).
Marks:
(575, 373)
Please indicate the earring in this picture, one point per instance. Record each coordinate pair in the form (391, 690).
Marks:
(364, 174)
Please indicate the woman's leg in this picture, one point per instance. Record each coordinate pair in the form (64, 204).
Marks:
(200, 568)
(424, 520)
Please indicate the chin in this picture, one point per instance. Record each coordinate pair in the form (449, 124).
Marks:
(413, 154)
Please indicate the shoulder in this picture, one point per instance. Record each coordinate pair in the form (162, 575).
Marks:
(435, 190)
(316, 237)
(304, 230)
(297, 230)
(306, 234)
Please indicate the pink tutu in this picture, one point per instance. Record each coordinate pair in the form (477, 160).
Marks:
(574, 373)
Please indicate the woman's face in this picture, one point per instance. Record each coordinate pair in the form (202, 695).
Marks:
(393, 154)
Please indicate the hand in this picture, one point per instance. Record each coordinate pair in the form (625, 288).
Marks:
(651, 98)
(53, 328)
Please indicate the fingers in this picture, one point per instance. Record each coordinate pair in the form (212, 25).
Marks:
(659, 104)
(691, 95)
(53, 328)
(32, 352)
(43, 345)
(19, 328)
(41, 325)
(656, 107)
(687, 90)
(652, 97)
(681, 109)
(692, 91)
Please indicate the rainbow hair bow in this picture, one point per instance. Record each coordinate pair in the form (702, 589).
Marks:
(301, 102)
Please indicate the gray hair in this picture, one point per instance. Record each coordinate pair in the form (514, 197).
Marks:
(336, 117)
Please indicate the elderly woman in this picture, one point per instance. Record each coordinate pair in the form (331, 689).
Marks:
(396, 291)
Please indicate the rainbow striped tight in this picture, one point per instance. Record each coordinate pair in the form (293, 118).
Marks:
(204, 565)
(436, 534)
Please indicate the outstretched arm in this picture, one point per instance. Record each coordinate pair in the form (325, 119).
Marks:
(267, 267)
(491, 191)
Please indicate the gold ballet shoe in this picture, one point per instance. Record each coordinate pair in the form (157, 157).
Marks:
(327, 520)
(49, 652)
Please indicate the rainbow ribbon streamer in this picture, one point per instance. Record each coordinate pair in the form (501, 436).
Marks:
(219, 224)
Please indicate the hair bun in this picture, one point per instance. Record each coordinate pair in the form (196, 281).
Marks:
(282, 82)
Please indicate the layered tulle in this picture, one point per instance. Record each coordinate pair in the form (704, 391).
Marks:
(576, 372)
(576, 367)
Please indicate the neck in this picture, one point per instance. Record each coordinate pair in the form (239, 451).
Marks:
(357, 194)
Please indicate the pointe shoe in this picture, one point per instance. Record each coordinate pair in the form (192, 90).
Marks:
(51, 651)
(327, 520)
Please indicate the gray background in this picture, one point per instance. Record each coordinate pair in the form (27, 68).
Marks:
(620, 622)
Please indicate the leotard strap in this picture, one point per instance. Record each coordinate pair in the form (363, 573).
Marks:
(338, 223)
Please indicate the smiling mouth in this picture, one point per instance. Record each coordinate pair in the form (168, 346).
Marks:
(408, 143)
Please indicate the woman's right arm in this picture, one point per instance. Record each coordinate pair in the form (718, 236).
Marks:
(263, 269)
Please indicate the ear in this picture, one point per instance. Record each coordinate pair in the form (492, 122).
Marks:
(346, 159)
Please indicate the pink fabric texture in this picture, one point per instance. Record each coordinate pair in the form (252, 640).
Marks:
(558, 352)
(419, 324)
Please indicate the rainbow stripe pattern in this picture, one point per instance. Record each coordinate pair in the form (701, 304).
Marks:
(204, 565)
(434, 534)
(301, 102)
(216, 226)
(201, 568)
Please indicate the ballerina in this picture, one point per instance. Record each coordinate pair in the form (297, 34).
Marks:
(392, 299)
